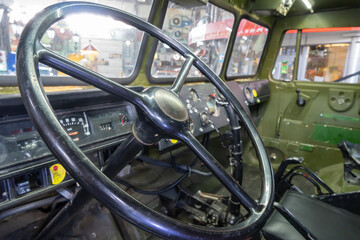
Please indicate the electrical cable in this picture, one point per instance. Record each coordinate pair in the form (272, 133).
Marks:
(312, 175)
(155, 192)
(307, 177)
(181, 168)
(28, 206)
(184, 169)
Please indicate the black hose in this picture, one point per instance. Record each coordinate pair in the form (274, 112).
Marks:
(317, 186)
(28, 206)
(312, 175)
(155, 192)
(178, 167)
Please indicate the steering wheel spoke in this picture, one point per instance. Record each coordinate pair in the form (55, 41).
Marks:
(215, 167)
(71, 68)
(181, 77)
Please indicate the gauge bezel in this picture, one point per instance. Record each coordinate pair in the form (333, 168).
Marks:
(252, 99)
(84, 126)
(193, 93)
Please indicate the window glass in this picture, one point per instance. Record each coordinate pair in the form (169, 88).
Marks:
(284, 65)
(330, 55)
(99, 43)
(248, 48)
(204, 30)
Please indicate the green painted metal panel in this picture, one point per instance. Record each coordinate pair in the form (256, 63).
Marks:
(334, 134)
(338, 117)
(306, 147)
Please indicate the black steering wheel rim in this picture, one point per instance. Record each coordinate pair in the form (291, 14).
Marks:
(30, 52)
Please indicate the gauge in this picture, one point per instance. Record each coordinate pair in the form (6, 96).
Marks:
(214, 110)
(27, 144)
(194, 96)
(249, 95)
(204, 119)
(76, 126)
(123, 119)
(106, 126)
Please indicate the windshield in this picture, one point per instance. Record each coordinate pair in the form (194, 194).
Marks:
(248, 48)
(205, 30)
(99, 43)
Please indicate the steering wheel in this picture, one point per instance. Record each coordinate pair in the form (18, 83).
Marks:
(166, 116)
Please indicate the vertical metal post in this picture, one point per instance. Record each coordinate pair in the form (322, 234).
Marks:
(296, 64)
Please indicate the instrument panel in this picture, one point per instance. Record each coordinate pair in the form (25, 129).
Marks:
(19, 140)
(95, 121)
(203, 103)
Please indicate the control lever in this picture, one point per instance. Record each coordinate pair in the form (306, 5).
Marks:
(284, 164)
(300, 101)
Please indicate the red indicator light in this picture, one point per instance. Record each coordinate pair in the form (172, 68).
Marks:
(15, 132)
(55, 168)
(27, 129)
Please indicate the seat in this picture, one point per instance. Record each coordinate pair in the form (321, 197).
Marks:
(323, 220)
(351, 154)
(350, 150)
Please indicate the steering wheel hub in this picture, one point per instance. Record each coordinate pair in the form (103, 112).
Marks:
(171, 105)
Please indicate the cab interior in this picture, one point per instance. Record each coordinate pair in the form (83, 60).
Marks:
(168, 119)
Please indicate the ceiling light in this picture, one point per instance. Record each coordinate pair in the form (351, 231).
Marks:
(308, 5)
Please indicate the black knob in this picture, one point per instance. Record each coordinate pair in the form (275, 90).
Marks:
(300, 101)
(204, 119)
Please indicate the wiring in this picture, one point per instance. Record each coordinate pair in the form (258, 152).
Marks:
(155, 192)
(178, 167)
(186, 170)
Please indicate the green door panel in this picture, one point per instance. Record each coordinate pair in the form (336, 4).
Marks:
(331, 114)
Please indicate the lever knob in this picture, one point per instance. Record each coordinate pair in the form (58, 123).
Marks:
(300, 101)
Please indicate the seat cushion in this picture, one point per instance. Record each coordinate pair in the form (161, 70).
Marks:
(325, 221)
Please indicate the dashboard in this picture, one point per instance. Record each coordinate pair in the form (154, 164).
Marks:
(20, 142)
(96, 122)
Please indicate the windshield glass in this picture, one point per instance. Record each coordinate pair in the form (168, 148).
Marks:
(248, 48)
(99, 43)
(205, 30)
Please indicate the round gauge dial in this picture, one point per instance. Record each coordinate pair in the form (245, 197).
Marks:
(75, 126)
(123, 119)
(248, 95)
(214, 110)
(194, 96)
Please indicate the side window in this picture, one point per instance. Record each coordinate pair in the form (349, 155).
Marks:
(204, 30)
(284, 65)
(330, 55)
(248, 49)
